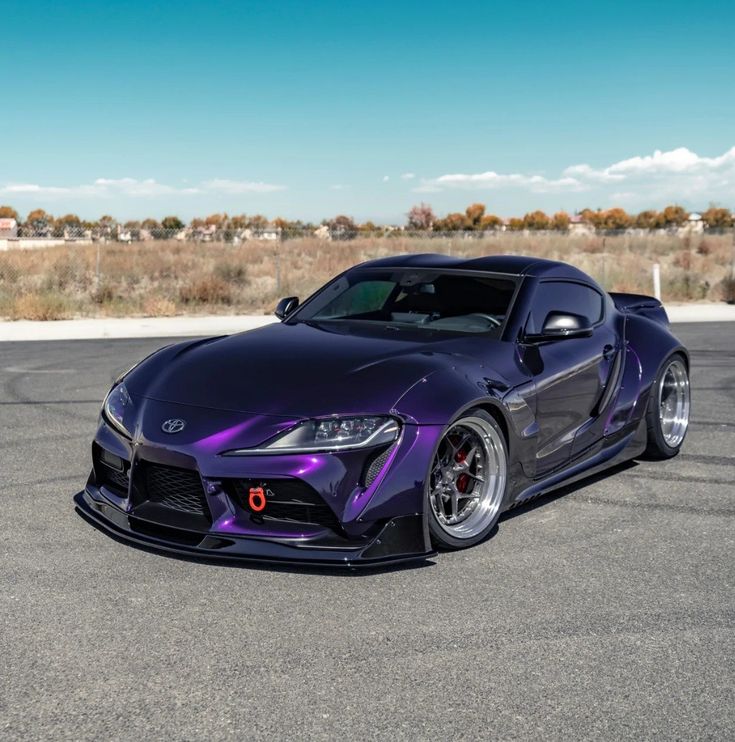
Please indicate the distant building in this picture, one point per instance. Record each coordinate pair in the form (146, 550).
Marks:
(578, 226)
(8, 228)
(695, 223)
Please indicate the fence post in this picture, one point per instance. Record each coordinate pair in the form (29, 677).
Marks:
(657, 281)
(97, 270)
(604, 278)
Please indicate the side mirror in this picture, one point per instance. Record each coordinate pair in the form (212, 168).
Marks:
(286, 306)
(560, 325)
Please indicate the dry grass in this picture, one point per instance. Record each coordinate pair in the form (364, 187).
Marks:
(167, 278)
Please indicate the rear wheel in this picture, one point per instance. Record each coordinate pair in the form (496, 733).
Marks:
(668, 409)
(467, 481)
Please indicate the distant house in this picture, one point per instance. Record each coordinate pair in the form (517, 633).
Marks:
(694, 223)
(578, 226)
(268, 233)
(8, 228)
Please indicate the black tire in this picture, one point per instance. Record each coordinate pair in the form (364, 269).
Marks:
(658, 447)
(489, 506)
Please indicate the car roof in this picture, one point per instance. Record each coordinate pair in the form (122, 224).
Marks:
(515, 265)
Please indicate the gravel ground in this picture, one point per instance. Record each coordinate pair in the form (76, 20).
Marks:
(605, 612)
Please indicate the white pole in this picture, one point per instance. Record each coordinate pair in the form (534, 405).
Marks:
(657, 281)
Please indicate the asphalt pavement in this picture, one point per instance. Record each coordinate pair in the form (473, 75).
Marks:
(606, 612)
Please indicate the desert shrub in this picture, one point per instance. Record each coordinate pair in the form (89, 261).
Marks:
(48, 305)
(726, 289)
(207, 290)
(156, 306)
(231, 272)
(104, 294)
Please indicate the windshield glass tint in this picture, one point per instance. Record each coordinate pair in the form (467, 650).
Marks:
(432, 300)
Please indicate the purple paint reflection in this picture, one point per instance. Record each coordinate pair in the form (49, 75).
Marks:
(218, 441)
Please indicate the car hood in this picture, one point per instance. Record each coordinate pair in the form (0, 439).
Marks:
(298, 370)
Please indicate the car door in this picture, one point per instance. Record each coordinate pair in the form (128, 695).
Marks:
(570, 374)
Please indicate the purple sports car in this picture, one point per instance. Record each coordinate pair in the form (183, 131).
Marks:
(400, 409)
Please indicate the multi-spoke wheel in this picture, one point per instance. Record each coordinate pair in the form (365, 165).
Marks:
(467, 481)
(668, 410)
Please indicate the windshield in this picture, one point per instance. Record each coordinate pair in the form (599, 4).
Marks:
(431, 300)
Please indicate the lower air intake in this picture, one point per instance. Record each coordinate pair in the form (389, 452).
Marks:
(178, 489)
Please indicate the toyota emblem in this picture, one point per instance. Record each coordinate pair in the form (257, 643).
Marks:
(174, 425)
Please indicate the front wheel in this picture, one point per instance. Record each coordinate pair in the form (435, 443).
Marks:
(668, 409)
(467, 481)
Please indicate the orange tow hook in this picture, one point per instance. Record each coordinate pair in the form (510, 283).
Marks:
(256, 500)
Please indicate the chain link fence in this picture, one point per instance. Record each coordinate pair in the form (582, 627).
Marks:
(72, 272)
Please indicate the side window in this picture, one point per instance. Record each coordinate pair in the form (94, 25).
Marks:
(563, 296)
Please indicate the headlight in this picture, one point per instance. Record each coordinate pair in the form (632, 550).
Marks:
(117, 407)
(330, 434)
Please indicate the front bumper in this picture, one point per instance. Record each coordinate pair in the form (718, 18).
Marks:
(401, 539)
(199, 506)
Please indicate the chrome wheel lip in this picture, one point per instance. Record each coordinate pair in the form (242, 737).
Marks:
(674, 403)
(487, 495)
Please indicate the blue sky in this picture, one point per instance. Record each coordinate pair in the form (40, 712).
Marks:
(309, 109)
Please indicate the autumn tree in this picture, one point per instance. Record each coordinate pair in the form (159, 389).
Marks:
(674, 216)
(717, 218)
(473, 216)
(490, 221)
(342, 227)
(536, 220)
(238, 222)
(216, 220)
(69, 220)
(515, 224)
(560, 221)
(172, 222)
(647, 219)
(453, 222)
(8, 212)
(615, 218)
(39, 222)
(421, 217)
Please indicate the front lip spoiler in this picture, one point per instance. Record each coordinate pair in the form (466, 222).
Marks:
(402, 540)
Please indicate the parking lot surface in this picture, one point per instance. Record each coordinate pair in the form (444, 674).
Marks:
(605, 612)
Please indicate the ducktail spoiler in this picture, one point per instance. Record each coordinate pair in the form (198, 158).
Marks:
(644, 306)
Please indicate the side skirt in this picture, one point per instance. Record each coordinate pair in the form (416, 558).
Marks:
(628, 447)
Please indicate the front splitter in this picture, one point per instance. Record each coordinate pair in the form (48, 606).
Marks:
(401, 540)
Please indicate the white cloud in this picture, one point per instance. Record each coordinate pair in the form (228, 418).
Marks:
(386, 178)
(491, 180)
(221, 185)
(408, 176)
(134, 188)
(678, 174)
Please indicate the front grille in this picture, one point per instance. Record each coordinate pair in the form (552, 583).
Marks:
(288, 500)
(178, 489)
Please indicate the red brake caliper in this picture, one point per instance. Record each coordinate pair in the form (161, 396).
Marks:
(462, 480)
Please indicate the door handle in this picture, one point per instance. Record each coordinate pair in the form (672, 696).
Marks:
(608, 352)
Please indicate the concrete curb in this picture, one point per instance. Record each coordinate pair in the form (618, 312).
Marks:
(151, 327)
